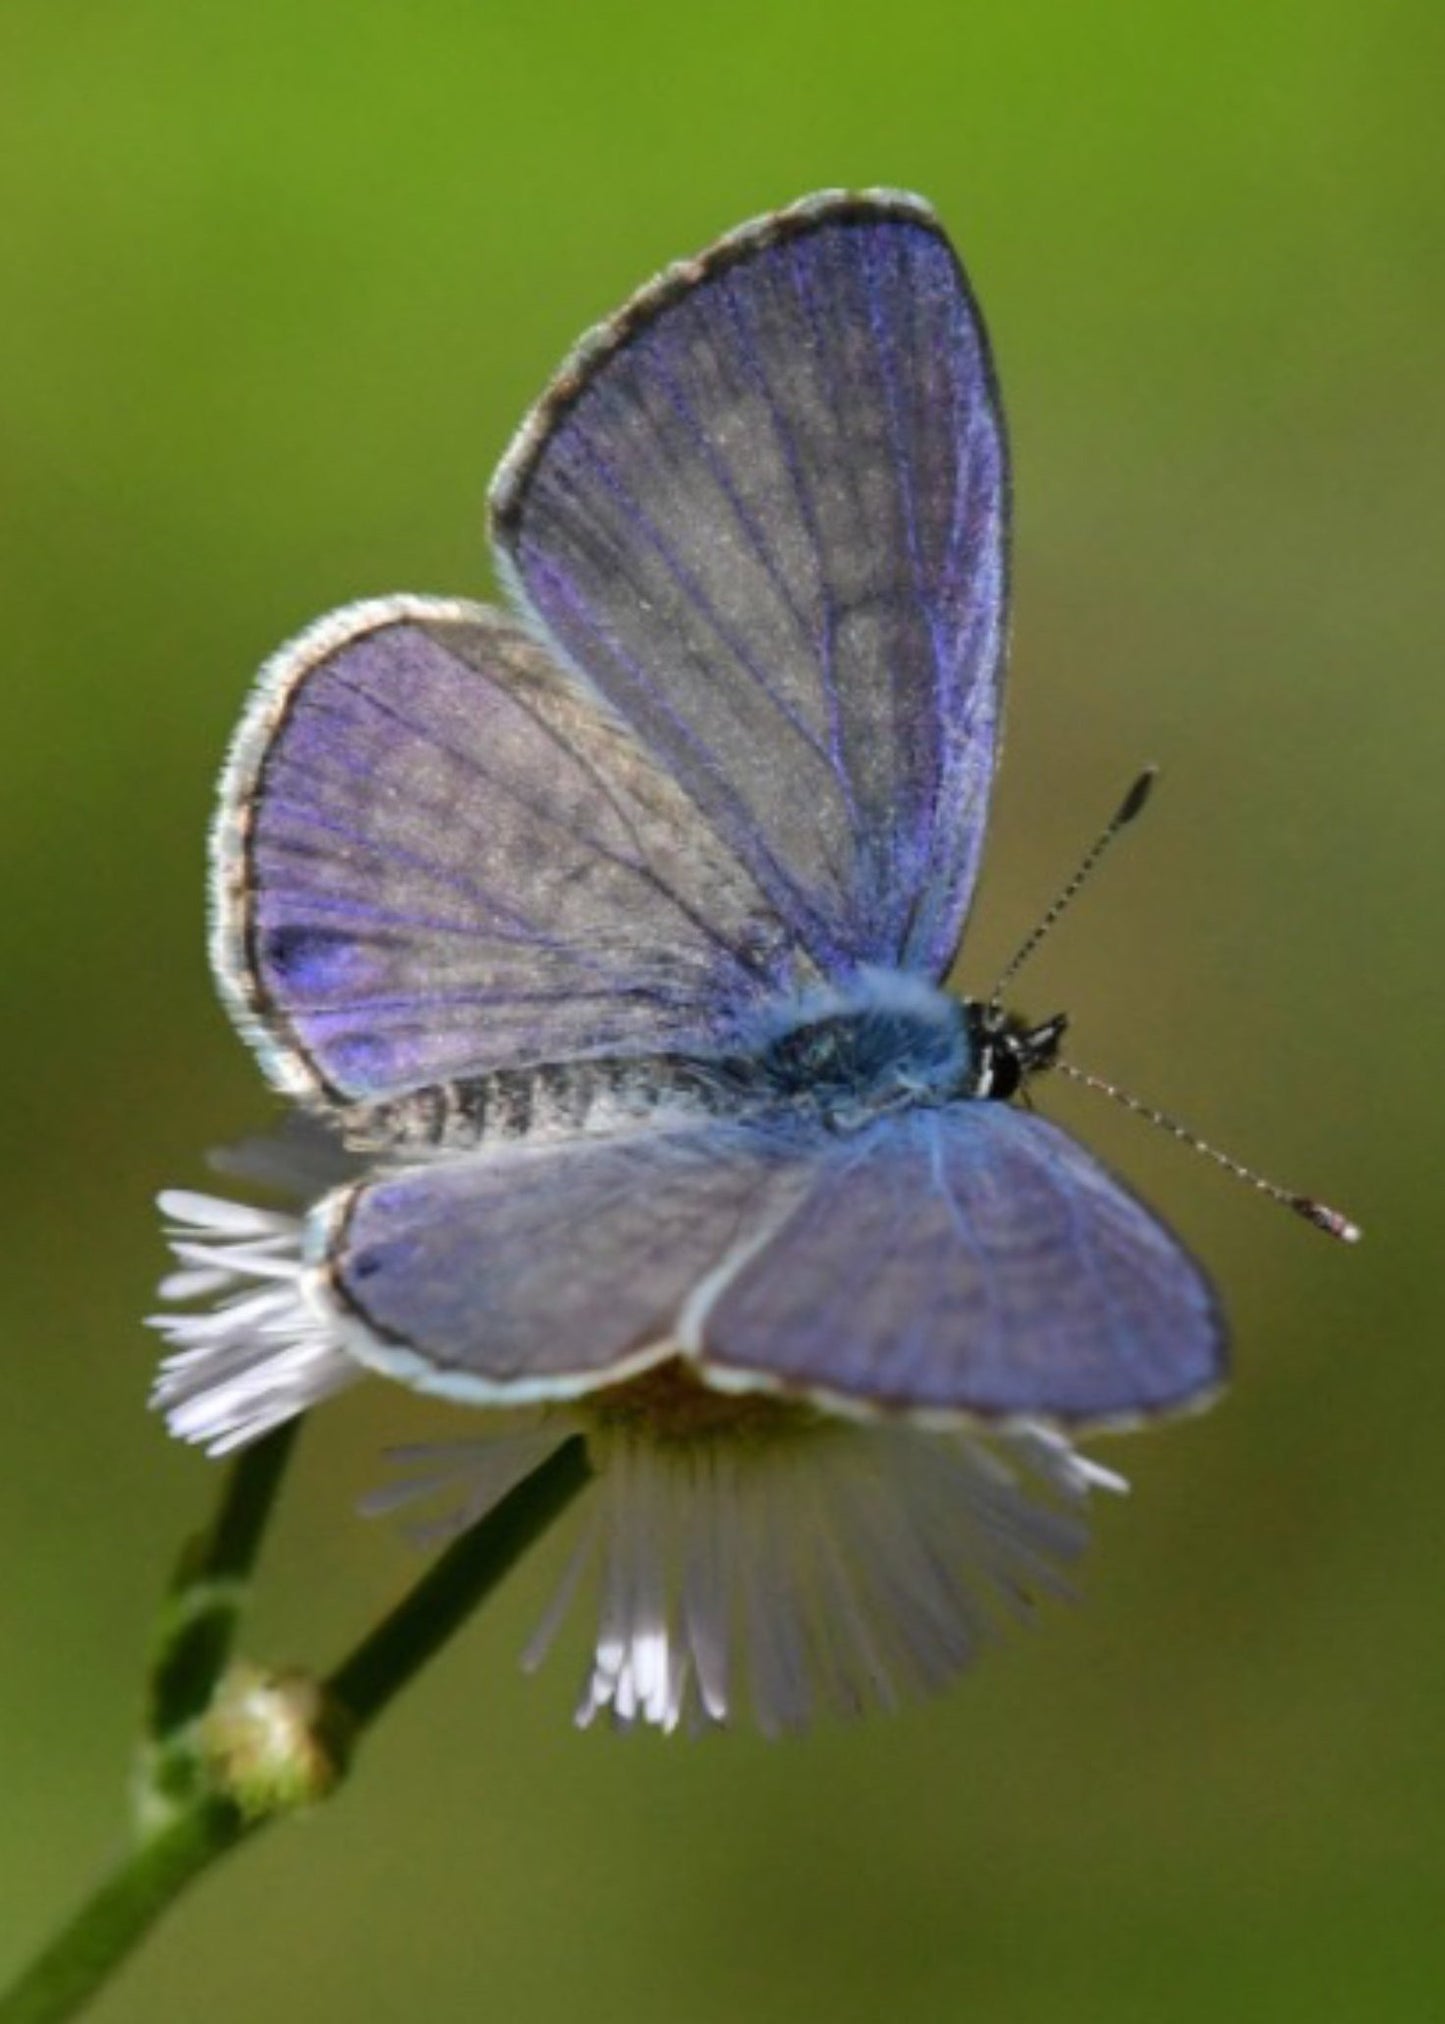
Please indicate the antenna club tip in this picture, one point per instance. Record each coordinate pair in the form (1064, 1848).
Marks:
(1329, 1220)
(1138, 794)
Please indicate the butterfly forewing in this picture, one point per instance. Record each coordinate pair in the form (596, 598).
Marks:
(764, 512)
(433, 860)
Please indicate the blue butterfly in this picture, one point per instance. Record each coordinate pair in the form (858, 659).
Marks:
(638, 904)
(610, 932)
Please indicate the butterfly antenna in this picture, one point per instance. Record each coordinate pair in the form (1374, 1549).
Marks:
(1128, 808)
(1324, 1218)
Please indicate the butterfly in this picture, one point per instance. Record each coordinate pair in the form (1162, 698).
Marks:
(614, 925)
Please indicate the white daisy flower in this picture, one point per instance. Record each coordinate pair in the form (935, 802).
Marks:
(747, 1556)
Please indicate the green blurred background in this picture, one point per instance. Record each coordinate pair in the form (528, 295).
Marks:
(275, 284)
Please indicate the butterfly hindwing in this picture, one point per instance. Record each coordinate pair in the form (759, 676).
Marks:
(543, 1270)
(971, 1259)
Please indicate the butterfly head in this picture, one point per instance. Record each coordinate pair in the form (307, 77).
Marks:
(1007, 1049)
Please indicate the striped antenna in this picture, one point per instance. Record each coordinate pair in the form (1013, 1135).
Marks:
(1324, 1218)
(1128, 808)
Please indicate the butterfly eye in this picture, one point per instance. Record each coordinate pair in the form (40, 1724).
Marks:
(1005, 1074)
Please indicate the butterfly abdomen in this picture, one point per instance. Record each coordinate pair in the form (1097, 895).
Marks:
(554, 1100)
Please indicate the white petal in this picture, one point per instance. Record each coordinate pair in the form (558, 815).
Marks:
(257, 1353)
(1051, 1455)
(213, 1216)
(301, 1159)
(831, 1567)
(469, 1477)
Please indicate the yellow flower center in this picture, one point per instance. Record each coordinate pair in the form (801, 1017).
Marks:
(670, 1403)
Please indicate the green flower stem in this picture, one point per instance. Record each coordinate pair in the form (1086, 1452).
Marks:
(203, 1607)
(369, 1679)
(110, 1924)
(208, 1824)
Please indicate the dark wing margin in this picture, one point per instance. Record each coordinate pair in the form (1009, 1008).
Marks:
(970, 1261)
(432, 858)
(764, 511)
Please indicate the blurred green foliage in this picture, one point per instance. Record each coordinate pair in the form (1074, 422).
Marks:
(277, 283)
